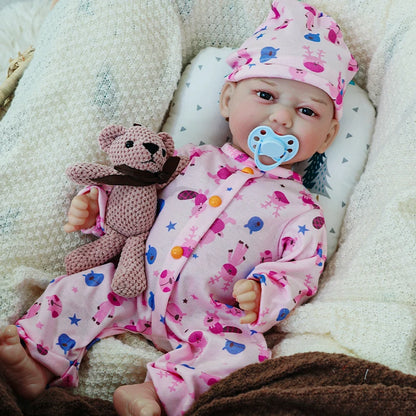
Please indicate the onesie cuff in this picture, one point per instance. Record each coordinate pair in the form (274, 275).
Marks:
(104, 191)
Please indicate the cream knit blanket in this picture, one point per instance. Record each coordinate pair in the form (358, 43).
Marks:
(99, 62)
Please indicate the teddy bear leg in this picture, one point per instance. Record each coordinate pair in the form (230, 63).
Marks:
(130, 277)
(95, 253)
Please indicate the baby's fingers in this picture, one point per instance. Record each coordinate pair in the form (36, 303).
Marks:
(92, 195)
(80, 202)
(249, 318)
(74, 224)
(77, 219)
(246, 297)
(78, 213)
(69, 228)
(242, 286)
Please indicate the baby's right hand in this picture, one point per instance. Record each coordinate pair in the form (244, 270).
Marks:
(83, 212)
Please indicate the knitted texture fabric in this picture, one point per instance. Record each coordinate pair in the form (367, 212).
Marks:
(101, 62)
(139, 157)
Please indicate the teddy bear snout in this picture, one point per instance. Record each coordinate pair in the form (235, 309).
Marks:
(151, 147)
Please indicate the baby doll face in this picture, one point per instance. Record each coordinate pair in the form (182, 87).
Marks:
(286, 106)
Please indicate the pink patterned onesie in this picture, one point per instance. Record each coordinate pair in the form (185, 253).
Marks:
(221, 220)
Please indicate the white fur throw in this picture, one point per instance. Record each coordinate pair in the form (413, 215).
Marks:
(99, 62)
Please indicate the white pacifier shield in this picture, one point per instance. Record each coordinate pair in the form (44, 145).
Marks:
(263, 141)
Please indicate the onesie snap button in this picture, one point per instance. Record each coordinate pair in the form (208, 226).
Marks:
(176, 252)
(247, 170)
(215, 201)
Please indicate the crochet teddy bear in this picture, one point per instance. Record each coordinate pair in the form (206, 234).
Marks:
(143, 163)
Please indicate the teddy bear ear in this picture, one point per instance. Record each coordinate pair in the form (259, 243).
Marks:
(108, 135)
(167, 139)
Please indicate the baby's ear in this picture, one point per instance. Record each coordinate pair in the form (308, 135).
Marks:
(330, 137)
(167, 139)
(225, 98)
(108, 135)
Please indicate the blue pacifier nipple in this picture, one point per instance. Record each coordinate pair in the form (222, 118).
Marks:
(263, 141)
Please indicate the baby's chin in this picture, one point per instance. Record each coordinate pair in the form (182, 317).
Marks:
(266, 160)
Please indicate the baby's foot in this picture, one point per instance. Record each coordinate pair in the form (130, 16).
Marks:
(27, 377)
(137, 400)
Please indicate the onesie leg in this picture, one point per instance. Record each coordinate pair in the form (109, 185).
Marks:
(183, 374)
(73, 314)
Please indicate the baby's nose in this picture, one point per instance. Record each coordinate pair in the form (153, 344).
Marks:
(282, 115)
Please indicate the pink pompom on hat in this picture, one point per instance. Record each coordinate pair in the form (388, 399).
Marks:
(300, 43)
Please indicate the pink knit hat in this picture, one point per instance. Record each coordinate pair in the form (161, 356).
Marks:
(297, 42)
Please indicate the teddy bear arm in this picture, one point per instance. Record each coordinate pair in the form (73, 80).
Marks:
(183, 162)
(85, 173)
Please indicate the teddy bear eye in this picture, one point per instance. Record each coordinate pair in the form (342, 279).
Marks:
(129, 144)
(163, 152)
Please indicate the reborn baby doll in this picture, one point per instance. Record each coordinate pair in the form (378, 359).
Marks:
(211, 295)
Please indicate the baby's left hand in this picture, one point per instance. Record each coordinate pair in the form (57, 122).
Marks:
(247, 294)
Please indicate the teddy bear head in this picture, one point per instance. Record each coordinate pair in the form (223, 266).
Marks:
(137, 147)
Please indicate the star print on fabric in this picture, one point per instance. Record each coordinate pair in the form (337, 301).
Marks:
(162, 319)
(302, 229)
(39, 325)
(171, 226)
(74, 320)
(163, 374)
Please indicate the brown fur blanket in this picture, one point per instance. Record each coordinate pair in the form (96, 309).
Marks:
(301, 384)
(311, 384)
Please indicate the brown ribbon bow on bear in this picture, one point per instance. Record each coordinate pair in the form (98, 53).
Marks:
(136, 177)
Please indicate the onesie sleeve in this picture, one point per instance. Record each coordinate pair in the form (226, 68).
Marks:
(293, 277)
(103, 193)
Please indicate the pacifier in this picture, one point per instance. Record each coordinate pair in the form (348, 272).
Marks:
(263, 141)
